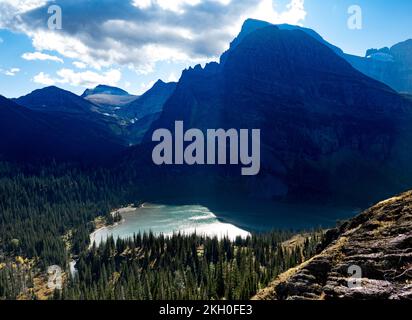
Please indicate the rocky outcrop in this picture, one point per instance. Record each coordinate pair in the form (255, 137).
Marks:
(379, 242)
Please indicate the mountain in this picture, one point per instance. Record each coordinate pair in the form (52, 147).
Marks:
(392, 66)
(55, 100)
(109, 100)
(142, 112)
(135, 114)
(378, 242)
(103, 89)
(328, 132)
(61, 103)
(32, 135)
(150, 102)
(251, 25)
(111, 109)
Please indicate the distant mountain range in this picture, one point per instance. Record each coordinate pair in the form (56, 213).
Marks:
(392, 66)
(329, 131)
(55, 100)
(101, 122)
(29, 135)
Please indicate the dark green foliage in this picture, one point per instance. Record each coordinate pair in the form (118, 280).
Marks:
(38, 206)
(46, 215)
(183, 267)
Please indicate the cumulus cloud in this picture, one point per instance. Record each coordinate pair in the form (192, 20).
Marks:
(172, 78)
(85, 79)
(140, 33)
(10, 72)
(79, 65)
(31, 56)
(44, 79)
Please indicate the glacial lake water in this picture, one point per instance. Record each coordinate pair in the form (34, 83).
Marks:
(169, 219)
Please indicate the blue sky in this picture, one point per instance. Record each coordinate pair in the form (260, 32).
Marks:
(133, 43)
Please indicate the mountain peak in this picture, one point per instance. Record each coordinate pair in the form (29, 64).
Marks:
(160, 81)
(254, 24)
(54, 99)
(104, 89)
(249, 26)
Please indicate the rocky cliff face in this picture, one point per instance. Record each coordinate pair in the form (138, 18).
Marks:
(327, 130)
(379, 241)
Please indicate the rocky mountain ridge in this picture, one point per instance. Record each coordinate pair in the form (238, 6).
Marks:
(378, 242)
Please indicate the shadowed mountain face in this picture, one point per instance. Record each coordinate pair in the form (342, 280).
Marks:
(110, 111)
(328, 131)
(67, 134)
(251, 25)
(142, 112)
(392, 66)
(150, 102)
(55, 100)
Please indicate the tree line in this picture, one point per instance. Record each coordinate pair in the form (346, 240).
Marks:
(47, 214)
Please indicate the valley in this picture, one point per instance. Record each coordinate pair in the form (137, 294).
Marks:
(283, 219)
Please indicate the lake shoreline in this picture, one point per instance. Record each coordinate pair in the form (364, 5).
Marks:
(168, 220)
(103, 225)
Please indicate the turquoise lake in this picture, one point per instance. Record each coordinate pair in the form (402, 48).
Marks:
(187, 219)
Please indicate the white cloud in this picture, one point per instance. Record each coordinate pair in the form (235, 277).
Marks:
(23, 5)
(85, 79)
(10, 72)
(140, 33)
(44, 79)
(175, 5)
(12, 9)
(294, 14)
(79, 65)
(31, 56)
(142, 4)
(172, 78)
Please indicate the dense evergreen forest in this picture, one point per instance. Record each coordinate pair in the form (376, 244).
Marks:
(38, 206)
(47, 214)
(184, 267)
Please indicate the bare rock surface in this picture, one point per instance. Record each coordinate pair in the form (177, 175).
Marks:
(378, 242)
